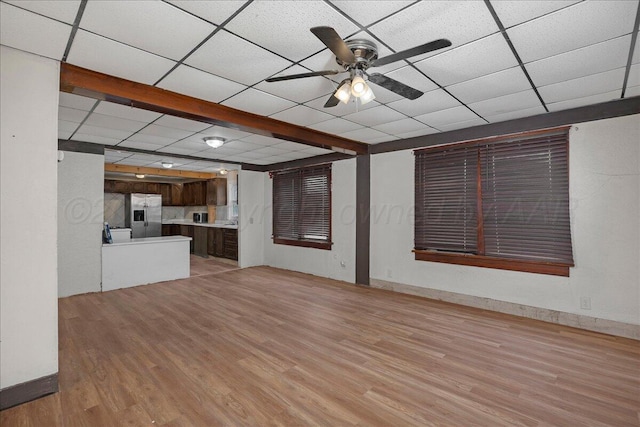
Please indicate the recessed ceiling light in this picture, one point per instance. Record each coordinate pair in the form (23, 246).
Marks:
(167, 165)
(140, 175)
(214, 141)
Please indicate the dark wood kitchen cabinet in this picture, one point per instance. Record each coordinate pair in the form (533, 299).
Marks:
(222, 243)
(194, 193)
(218, 249)
(171, 194)
(230, 243)
(171, 230)
(216, 191)
(187, 230)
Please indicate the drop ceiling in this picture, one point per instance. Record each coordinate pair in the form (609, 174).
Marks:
(564, 54)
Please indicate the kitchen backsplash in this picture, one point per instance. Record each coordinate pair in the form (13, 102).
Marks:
(172, 212)
(114, 209)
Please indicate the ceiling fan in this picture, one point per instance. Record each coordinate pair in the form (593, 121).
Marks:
(356, 56)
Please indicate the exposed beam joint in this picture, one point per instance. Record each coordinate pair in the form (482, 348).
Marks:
(82, 81)
(112, 167)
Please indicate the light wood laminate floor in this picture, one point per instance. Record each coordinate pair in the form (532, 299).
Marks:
(267, 347)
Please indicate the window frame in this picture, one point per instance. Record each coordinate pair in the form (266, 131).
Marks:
(479, 259)
(298, 208)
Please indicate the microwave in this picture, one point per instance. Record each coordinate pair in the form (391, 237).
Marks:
(200, 217)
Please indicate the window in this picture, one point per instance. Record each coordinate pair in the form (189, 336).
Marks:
(302, 207)
(499, 203)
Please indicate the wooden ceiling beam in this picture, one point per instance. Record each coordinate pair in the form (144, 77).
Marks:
(111, 167)
(93, 84)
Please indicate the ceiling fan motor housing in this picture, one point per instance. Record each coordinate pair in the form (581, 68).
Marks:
(365, 52)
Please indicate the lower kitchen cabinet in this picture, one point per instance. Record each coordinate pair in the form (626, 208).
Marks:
(222, 243)
(187, 230)
(171, 230)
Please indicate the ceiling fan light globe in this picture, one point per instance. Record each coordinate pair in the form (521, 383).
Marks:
(358, 86)
(343, 93)
(367, 96)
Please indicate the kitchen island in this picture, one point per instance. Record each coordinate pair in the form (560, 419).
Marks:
(145, 260)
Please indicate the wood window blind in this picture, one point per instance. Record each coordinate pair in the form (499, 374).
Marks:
(302, 207)
(504, 199)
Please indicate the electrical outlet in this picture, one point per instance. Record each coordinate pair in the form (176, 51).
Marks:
(585, 303)
(343, 264)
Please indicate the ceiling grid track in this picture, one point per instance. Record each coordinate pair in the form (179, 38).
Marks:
(632, 47)
(74, 29)
(503, 30)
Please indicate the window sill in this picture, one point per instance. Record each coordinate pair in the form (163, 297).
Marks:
(304, 243)
(540, 267)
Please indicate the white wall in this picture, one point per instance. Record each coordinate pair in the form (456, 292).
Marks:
(80, 223)
(326, 263)
(251, 218)
(29, 88)
(605, 207)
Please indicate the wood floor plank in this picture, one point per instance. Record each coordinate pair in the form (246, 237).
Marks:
(267, 347)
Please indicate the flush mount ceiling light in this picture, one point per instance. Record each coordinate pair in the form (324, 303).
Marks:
(214, 141)
(223, 171)
(139, 175)
(167, 165)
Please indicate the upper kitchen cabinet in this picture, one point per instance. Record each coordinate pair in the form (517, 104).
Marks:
(194, 193)
(128, 187)
(217, 192)
(171, 194)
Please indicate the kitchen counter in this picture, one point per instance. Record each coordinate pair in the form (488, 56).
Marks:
(198, 224)
(144, 260)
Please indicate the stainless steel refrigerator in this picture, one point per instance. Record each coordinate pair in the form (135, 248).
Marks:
(143, 214)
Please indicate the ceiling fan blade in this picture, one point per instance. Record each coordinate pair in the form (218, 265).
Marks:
(303, 75)
(418, 50)
(334, 42)
(333, 101)
(395, 86)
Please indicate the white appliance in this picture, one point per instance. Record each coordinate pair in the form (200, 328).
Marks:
(143, 214)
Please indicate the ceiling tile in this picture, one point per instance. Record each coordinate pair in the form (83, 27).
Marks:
(216, 12)
(64, 11)
(139, 145)
(229, 56)
(513, 12)
(634, 76)
(133, 162)
(242, 146)
(76, 101)
(258, 102)
(383, 139)
(293, 40)
(427, 103)
(400, 126)
(302, 115)
(261, 162)
(632, 91)
(270, 151)
(581, 62)
(375, 116)
(464, 124)
(516, 114)
(491, 86)
(364, 134)
(126, 112)
(131, 22)
(105, 131)
(295, 155)
(458, 21)
(452, 66)
(64, 134)
(107, 56)
(199, 84)
(151, 139)
(180, 123)
(506, 103)
(96, 139)
(591, 22)
(165, 132)
(583, 86)
(176, 150)
(252, 155)
(426, 131)
(113, 122)
(368, 12)
(587, 100)
(32, 33)
(71, 114)
(299, 90)
(438, 119)
(335, 126)
(67, 126)
(316, 151)
(261, 140)
(192, 145)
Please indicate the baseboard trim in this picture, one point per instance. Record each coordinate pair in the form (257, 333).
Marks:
(27, 391)
(611, 327)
